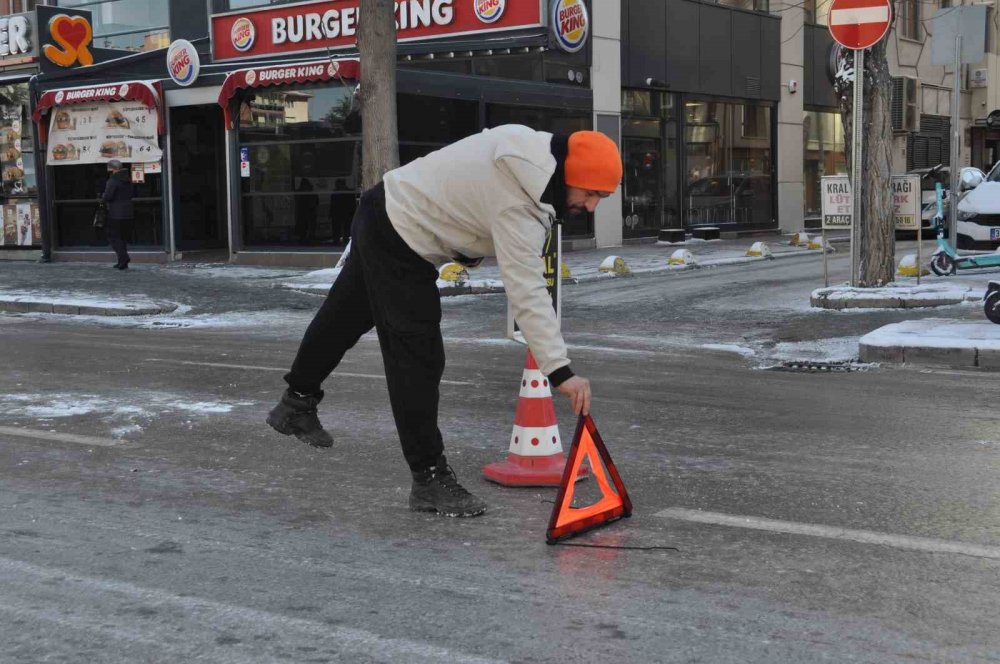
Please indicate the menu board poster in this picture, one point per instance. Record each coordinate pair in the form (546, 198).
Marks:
(10, 225)
(24, 224)
(96, 133)
(11, 159)
(36, 224)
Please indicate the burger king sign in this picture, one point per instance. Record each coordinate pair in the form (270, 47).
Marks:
(243, 34)
(570, 24)
(489, 11)
(183, 62)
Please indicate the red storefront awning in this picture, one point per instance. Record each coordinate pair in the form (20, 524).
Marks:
(141, 91)
(257, 77)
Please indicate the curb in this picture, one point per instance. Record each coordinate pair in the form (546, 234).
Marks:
(960, 358)
(27, 305)
(831, 301)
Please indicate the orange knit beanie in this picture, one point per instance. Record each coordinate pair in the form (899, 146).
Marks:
(593, 162)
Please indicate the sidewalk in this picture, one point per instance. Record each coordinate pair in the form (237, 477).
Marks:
(90, 289)
(935, 341)
(642, 259)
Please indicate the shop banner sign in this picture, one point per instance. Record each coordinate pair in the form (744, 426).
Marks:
(836, 202)
(96, 133)
(333, 24)
(906, 202)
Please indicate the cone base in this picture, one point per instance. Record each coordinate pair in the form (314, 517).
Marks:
(518, 470)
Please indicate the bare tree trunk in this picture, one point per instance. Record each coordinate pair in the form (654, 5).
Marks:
(876, 255)
(377, 46)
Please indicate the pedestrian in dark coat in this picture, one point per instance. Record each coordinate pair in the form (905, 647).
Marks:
(118, 197)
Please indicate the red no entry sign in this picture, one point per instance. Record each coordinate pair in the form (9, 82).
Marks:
(859, 23)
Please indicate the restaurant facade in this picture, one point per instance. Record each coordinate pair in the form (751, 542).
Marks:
(244, 134)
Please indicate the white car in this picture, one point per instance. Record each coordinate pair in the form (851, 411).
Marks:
(979, 209)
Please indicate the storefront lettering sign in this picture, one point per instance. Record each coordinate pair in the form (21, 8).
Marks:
(183, 63)
(570, 24)
(95, 133)
(73, 35)
(333, 24)
(837, 204)
(15, 36)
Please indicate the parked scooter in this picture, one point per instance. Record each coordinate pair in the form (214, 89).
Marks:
(946, 260)
(991, 302)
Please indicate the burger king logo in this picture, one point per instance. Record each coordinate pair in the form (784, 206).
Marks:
(250, 77)
(183, 62)
(489, 11)
(123, 90)
(570, 24)
(333, 69)
(243, 34)
(60, 96)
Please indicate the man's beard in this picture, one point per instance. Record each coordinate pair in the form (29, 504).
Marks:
(575, 213)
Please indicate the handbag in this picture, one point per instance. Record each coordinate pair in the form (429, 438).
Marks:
(101, 216)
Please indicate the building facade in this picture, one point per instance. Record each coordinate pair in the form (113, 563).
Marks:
(725, 113)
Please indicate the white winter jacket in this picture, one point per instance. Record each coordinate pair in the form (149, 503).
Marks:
(481, 197)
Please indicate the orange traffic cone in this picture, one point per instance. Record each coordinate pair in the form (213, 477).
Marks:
(535, 456)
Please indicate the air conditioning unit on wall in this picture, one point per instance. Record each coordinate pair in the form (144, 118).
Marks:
(979, 78)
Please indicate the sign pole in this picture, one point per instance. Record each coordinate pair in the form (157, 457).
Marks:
(826, 270)
(859, 79)
(956, 146)
(920, 260)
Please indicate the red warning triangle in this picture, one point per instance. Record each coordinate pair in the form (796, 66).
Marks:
(567, 520)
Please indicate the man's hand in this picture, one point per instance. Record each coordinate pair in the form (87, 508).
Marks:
(577, 389)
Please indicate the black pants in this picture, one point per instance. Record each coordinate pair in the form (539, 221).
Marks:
(116, 230)
(386, 285)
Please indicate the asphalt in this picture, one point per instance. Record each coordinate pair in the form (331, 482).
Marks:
(194, 533)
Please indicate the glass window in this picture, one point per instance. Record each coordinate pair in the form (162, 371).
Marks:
(304, 148)
(752, 5)
(75, 190)
(729, 176)
(134, 25)
(823, 136)
(20, 222)
(304, 151)
(649, 154)
(908, 21)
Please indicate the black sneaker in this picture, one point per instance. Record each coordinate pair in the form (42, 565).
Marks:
(296, 415)
(437, 490)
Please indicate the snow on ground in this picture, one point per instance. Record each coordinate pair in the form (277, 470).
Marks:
(838, 349)
(75, 299)
(179, 320)
(936, 333)
(127, 413)
(934, 291)
(239, 273)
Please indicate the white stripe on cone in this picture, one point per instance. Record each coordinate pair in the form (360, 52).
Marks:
(535, 441)
(534, 385)
(856, 15)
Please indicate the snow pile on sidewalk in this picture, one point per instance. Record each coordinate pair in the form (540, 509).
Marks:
(895, 296)
(67, 302)
(936, 333)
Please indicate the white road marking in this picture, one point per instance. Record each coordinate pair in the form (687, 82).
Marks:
(925, 544)
(254, 367)
(222, 616)
(59, 437)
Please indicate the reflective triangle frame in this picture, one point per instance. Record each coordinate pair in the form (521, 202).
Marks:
(567, 521)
